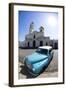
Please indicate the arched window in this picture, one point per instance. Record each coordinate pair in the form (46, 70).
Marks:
(34, 36)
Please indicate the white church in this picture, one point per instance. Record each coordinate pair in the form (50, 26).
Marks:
(35, 39)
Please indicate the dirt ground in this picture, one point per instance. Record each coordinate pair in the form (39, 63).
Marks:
(51, 71)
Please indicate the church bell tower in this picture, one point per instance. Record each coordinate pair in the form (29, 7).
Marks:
(41, 30)
(31, 28)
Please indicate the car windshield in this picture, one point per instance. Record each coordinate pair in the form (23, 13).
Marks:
(42, 51)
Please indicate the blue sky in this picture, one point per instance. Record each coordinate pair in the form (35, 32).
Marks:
(49, 20)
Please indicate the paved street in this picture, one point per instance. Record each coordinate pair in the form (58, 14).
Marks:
(51, 71)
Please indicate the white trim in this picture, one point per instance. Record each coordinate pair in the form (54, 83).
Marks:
(46, 47)
(60, 50)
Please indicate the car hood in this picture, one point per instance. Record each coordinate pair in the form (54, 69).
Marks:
(35, 57)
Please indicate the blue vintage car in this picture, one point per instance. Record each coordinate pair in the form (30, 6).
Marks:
(39, 60)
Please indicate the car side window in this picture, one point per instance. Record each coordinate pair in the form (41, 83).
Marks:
(50, 51)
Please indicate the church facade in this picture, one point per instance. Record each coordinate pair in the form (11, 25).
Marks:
(35, 39)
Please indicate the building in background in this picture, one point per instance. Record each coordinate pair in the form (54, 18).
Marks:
(35, 39)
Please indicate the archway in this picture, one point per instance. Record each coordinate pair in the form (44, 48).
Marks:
(28, 44)
(41, 43)
(46, 43)
(56, 45)
(34, 43)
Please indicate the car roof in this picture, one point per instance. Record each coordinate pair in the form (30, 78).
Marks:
(45, 47)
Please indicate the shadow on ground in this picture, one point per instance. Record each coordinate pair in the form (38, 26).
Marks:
(25, 72)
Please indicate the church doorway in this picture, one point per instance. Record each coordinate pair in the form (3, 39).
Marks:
(34, 43)
(41, 43)
(46, 43)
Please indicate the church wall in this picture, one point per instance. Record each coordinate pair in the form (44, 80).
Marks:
(37, 43)
(31, 44)
(39, 34)
(46, 41)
